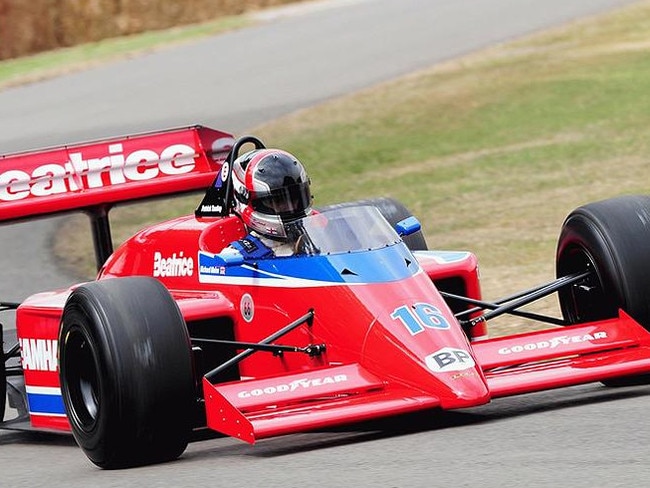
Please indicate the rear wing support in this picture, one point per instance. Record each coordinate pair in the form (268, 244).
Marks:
(101, 231)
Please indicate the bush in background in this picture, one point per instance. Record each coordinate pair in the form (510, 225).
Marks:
(32, 26)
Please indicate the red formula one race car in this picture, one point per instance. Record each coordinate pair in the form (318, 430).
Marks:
(184, 329)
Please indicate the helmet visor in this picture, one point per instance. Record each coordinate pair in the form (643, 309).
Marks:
(287, 202)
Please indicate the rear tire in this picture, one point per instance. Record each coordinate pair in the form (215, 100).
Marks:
(611, 238)
(393, 211)
(126, 372)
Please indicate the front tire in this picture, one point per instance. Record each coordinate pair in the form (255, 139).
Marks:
(126, 372)
(611, 238)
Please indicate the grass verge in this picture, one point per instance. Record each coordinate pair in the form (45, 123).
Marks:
(62, 61)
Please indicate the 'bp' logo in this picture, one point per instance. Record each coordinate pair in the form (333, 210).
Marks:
(449, 359)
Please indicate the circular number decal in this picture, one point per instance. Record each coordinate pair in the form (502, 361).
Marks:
(247, 307)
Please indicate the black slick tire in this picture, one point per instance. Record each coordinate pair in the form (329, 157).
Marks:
(126, 372)
(611, 238)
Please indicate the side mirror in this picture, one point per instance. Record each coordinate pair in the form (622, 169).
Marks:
(408, 226)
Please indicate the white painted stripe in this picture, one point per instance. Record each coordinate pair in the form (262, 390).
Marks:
(267, 282)
(41, 414)
(43, 390)
(443, 257)
(279, 281)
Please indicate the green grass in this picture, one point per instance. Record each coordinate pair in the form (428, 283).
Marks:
(493, 150)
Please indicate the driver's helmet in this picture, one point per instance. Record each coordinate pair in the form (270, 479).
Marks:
(271, 189)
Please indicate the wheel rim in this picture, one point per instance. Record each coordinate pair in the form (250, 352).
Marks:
(82, 379)
(586, 300)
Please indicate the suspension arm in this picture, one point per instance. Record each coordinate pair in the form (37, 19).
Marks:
(512, 303)
(311, 349)
(308, 319)
(493, 306)
(8, 306)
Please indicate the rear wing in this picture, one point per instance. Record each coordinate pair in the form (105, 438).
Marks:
(108, 171)
(95, 175)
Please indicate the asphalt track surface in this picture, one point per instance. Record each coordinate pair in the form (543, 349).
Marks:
(581, 436)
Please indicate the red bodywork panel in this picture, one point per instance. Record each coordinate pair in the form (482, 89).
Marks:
(392, 345)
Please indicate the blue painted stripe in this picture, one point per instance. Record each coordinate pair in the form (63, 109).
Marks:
(45, 404)
(371, 266)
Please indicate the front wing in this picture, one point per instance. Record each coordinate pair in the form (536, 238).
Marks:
(565, 356)
(254, 409)
(523, 363)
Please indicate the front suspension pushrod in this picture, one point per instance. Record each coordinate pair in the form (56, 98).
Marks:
(311, 349)
(494, 305)
(511, 303)
(308, 318)
(525, 300)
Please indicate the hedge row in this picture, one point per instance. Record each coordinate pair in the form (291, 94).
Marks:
(31, 26)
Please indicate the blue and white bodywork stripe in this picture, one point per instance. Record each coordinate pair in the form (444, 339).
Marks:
(45, 400)
(392, 263)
